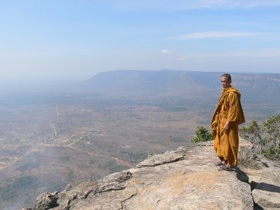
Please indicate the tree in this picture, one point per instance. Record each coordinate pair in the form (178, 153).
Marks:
(202, 134)
(265, 137)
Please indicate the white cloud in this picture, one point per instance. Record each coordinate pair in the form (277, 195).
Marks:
(164, 51)
(181, 59)
(178, 5)
(219, 4)
(213, 34)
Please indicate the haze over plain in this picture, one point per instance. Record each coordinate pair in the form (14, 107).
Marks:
(46, 43)
(55, 41)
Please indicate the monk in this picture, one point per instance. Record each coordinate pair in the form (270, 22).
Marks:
(227, 116)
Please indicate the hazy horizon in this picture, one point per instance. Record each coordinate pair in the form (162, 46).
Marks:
(30, 84)
(78, 39)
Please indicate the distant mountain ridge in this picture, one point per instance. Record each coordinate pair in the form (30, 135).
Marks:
(254, 87)
(147, 80)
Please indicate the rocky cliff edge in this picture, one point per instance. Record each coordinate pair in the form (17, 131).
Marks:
(183, 179)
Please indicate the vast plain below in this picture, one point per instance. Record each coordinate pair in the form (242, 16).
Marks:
(86, 130)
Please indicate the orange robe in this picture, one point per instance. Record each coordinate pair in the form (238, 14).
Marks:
(228, 109)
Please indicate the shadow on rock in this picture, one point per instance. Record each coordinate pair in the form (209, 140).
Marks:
(241, 175)
(265, 187)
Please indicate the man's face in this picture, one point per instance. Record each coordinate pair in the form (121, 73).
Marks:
(225, 82)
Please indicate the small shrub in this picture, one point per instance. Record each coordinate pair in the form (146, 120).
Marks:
(202, 134)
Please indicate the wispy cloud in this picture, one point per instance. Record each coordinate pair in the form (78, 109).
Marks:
(219, 4)
(178, 5)
(213, 34)
(165, 51)
(181, 59)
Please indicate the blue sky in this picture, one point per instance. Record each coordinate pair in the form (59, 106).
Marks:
(75, 39)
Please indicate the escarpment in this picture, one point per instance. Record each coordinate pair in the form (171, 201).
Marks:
(182, 179)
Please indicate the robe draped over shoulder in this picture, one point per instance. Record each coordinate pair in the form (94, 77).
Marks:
(229, 109)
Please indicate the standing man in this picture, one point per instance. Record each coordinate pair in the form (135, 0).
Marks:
(227, 116)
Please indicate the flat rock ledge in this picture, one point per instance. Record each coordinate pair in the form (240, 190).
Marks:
(183, 179)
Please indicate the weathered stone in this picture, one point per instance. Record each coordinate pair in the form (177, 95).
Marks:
(183, 179)
(47, 201)
(263, 176)
(166, 157)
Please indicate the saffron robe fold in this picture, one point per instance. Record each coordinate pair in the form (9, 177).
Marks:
(229, 109)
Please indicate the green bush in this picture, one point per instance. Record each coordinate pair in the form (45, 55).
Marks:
(265, 137)
(202, 134)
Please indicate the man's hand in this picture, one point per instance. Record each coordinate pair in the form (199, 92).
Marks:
(226, 126)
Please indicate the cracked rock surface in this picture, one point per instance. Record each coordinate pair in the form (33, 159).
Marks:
(183, 179)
